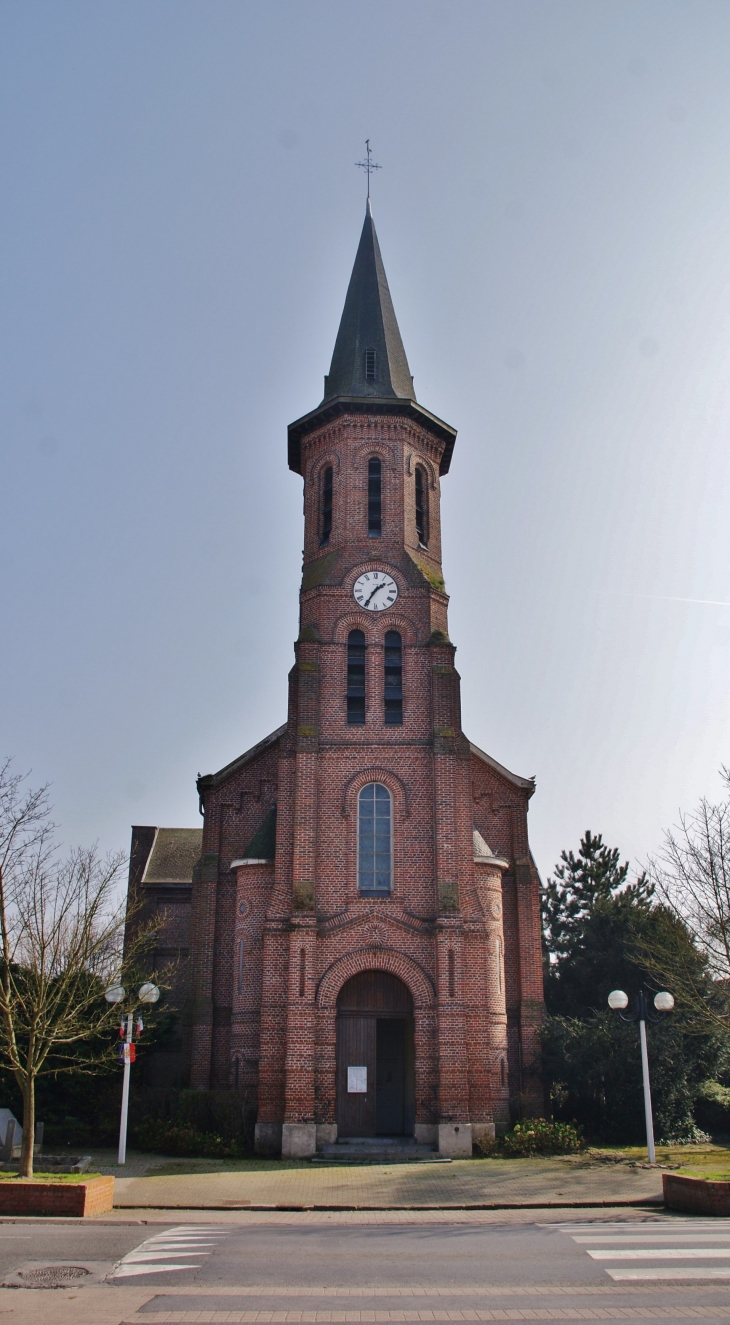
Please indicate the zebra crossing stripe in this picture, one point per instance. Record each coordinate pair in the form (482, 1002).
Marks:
(608, 1242)
(184, 1241)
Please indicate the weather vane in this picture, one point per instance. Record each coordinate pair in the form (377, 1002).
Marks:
(367, 165)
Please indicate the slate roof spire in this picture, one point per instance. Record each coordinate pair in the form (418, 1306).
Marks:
(369, 358)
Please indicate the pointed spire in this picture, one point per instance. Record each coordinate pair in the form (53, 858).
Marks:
(369, 358)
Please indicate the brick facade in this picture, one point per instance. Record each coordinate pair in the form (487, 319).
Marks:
(273, 940)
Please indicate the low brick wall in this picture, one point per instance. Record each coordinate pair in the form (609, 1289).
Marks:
(696, 1196)
(19, 1197)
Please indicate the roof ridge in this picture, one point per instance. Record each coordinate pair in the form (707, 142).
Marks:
(212, 779)
(527, 783)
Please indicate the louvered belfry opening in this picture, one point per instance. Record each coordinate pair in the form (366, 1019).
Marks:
(356, 678)
(375, 1033)
(375, 497)
(393, 679)
(326, 506)
(421, 506)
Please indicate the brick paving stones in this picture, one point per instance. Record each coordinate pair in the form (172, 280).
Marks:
(461, 1184)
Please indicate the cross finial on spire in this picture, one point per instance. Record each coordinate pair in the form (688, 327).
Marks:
(367, 165)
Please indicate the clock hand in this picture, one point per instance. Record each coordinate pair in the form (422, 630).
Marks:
(375, 590)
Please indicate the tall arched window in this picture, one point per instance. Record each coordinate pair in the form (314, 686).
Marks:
(374, 839)
(421, 505)
(241, 959)
(326, 506)
(393, 679)
(375, 497)
(356, 678)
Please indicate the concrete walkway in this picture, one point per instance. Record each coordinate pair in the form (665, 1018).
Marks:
(154, 1183)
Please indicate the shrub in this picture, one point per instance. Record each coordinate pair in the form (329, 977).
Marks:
(209, 1123)
(593, 1068)
(712, 1108)
(171, 1138)
(538, 1136)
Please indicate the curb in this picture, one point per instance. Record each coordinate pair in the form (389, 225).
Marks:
(480, 1205)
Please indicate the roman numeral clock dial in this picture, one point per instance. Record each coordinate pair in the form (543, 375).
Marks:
(375, 590)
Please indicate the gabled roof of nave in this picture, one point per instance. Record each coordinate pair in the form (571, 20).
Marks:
(215, 779)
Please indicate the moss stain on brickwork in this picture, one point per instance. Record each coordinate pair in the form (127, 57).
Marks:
(435, 580)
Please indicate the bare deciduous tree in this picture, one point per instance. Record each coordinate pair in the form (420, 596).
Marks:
(692, 876)
(61, 945)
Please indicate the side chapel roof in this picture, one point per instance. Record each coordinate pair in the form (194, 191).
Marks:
(174, 854)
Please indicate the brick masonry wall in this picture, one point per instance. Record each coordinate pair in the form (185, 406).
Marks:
(77, 1199)
(464, 937)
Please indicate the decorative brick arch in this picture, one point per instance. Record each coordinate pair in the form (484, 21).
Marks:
(377, 447)
(376, 959)
(355, 620)
(374, 625)
(321, 461)
(375, 563)
(396, 786)
(413, 460)
(393, 620)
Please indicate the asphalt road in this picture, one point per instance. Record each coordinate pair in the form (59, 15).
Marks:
(660, 1266)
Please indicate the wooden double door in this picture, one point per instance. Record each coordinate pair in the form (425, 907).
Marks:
(375, 1057)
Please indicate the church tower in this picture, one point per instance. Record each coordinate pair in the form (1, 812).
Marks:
(364, 930)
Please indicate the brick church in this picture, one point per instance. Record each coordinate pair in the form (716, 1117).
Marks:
(358, 919)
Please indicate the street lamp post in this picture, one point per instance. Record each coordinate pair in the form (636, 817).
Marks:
(663, 1002)
(147, 993)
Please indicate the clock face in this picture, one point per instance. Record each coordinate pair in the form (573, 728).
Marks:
(375, 590)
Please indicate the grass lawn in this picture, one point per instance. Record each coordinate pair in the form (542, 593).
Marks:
(701, 1161)
(50, 1177)
(254, 1165)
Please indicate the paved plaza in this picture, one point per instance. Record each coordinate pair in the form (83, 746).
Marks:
(158, 1183)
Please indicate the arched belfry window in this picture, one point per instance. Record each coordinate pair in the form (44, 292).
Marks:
(374, 839)
(326, 506)
(356, 678)
(421, 506)
(393, 679)
(375, 497)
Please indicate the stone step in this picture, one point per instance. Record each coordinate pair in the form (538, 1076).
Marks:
(377, 1150)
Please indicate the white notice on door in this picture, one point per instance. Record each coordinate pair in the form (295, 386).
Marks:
(357, 1081)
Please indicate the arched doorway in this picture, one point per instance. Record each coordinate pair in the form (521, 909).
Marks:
(375, 1057)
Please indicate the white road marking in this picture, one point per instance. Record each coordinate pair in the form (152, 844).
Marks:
(656, 1237)
(126, 1271)
(659, 1253)
(181, 1242)
(673, 1272)
(186, 1241)
(644, 1238)
(157, 1256)
(671, 1223)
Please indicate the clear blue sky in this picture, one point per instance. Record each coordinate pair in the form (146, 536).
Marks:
(180, 215)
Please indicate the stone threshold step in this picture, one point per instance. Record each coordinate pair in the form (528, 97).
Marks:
(379, 1159)
(379, 1143)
